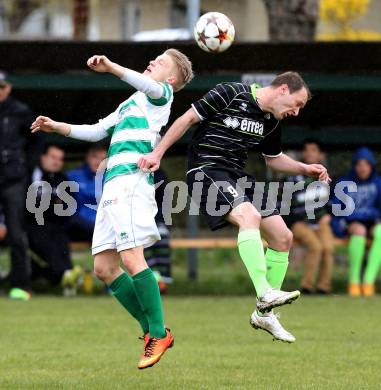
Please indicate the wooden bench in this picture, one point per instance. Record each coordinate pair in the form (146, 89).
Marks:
(184, 243)
(200, 243)
(224, 242)
(80, 245)
(203, 243)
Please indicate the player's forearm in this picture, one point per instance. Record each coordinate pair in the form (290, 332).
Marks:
(62, 128)
(286, 164)
(116, 69)
(175, 132)
(139, 81)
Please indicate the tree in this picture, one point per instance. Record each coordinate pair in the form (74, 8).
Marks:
(338, 16)
(292, 20)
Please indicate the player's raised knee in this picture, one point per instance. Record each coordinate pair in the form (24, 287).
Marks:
(283, 241)
(286, 240)
(245, 216)
(104, 273)
(100, 272)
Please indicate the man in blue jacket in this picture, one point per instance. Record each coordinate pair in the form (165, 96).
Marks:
(362, 223)
(82, 223)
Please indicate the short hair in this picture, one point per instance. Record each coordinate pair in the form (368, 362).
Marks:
(315, 141)
(48, 146)
(184, 68)
(293, 80)
(97, 147)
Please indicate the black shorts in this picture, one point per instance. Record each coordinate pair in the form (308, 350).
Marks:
(217, 190)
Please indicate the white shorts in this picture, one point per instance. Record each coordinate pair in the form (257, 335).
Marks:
(126, 214)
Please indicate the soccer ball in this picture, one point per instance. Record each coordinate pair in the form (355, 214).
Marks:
(214, 32)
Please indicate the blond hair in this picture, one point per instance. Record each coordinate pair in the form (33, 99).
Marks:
(183, 68)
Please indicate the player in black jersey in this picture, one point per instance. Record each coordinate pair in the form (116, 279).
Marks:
(234, 118)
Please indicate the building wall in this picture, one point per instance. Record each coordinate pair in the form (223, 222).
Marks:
(154, 14)
(248, 16)
(108, 19)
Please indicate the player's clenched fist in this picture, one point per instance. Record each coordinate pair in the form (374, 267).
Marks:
(99, 63)
(149, 162)
(43, 123)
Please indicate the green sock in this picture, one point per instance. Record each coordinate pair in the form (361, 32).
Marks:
(148, 293)
(124, 291)
(374, 257)
(277, 264)
(251, 251)
(356, 251)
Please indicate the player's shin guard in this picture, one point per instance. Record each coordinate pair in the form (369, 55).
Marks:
(277, 264)
(251, 251)
(148, 293)
(124, 291)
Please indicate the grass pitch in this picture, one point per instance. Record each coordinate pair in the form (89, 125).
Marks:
(90, 343)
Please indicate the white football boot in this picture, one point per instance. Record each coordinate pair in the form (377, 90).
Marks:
(273, 298)
(270, 323)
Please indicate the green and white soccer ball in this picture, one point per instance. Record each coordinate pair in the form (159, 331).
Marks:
(214, 32)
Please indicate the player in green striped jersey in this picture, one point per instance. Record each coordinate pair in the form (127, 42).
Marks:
(125, 223)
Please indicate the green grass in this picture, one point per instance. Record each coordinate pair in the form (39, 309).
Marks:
(90, 343)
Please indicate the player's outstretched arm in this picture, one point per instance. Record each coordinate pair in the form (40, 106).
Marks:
(91, 133)
(142, 83)
(286, 164)
(48, 125)
(152, 160)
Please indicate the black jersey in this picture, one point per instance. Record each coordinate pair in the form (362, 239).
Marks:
(231, 124)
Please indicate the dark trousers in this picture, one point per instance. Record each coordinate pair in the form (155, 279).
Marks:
(158, 256)
(51, 245)
(12, 198)
(80, 229)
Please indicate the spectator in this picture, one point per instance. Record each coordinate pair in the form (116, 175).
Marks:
(315, 234)
(50, 241)
(362, 223)
(15, 152)
(159, 255)
(3, 234)
(81, 225)
(3, 227)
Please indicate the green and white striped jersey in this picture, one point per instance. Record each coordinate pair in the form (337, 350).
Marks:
(134, 129)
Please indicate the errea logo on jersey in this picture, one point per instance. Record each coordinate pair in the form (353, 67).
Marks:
(243, 106)
(253, 127)
(231, 122)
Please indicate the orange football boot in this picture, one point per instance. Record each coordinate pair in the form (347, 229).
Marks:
(145, 338)
(154, 350)
(354, 290)
(368, 290)
(162, 287)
